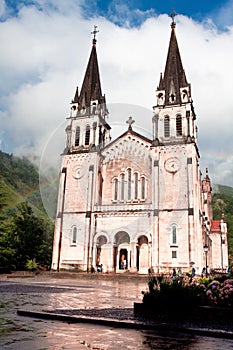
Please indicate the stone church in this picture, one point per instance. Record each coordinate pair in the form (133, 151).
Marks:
(136, 204)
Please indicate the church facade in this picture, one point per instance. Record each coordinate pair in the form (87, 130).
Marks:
(136, 204)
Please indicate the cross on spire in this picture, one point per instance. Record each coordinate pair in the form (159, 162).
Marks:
(130, 121)
(172, 15)
(95, 31)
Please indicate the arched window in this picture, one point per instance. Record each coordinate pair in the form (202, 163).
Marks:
(178, 125)
(94, 132)
(136, 186)
(94, 108)
(77, 136)
(122, 187)
(74, 235)
(166, 126)
(174, 235)
(115, 190)
(172, 98)
(87, 135)
(160, 98)
(143, 188)
(185, 95)
(104, 136)
(129, 183)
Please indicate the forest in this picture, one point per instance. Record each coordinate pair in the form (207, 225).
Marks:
(26, 232)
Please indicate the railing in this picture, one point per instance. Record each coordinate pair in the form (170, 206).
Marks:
(123, 207)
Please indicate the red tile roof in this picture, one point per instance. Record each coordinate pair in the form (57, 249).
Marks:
(215, 226)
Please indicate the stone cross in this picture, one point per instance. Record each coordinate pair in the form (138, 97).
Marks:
(172, 15)
(130, 121)
(95, 32)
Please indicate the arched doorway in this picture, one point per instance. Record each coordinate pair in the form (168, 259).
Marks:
(122, 251)
(123, 261)
(100, 253)
(142, 254)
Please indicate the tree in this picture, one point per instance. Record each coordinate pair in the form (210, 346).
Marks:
(7, 252)
(224, 203)
(31, 236)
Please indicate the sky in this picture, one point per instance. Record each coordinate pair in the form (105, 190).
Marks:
(45, 46)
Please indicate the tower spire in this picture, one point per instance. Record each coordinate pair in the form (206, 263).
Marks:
(91, 87)
(174, 78)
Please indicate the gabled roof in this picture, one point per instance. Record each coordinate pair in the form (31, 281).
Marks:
(132, 133)
(174, 76)
(215, 226)
(91, 87)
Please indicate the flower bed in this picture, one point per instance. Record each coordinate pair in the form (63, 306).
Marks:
(216, 293)
(204, 299)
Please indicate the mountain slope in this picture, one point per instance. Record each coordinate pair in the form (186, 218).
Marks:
(222, 189)
(19, 181)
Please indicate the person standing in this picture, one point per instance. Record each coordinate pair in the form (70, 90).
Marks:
(173, 275)
(192, 274)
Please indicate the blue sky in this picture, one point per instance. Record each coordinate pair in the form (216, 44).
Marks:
(128, 12)
(45, 45)
(198, 10)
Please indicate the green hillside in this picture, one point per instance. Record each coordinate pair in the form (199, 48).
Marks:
(26, 232)
(19, 181)
(222, 189)
(11, 197)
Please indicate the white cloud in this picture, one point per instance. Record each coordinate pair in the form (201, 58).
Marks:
(119, 13)
(44, 55)
(224, 14)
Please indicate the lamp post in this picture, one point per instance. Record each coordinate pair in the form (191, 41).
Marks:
(206, 248)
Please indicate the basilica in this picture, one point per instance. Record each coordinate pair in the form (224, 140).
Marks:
(133, 203)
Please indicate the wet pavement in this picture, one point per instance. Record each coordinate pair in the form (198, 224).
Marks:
(95, 297)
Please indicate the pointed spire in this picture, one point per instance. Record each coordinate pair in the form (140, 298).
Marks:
(91, 87)
(75, 100)
(174, 75)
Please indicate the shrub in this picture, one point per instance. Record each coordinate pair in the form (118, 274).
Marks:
(31, 265)
(171, 296)
(183, 297)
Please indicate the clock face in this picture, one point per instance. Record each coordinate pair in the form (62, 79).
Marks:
(172, 165)
(77, 172)
(80, 167)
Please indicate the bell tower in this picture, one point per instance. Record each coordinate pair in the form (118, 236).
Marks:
(80, 187)
(176, 174)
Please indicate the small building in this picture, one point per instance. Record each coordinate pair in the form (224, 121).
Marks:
(218, 238)
(135, 204)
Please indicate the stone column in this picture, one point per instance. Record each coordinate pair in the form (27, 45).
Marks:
(133, 248)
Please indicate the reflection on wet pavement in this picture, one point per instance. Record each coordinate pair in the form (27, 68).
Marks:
(23, 333)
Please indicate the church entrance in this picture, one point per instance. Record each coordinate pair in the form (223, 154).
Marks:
(122, 251)
(123, 261)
